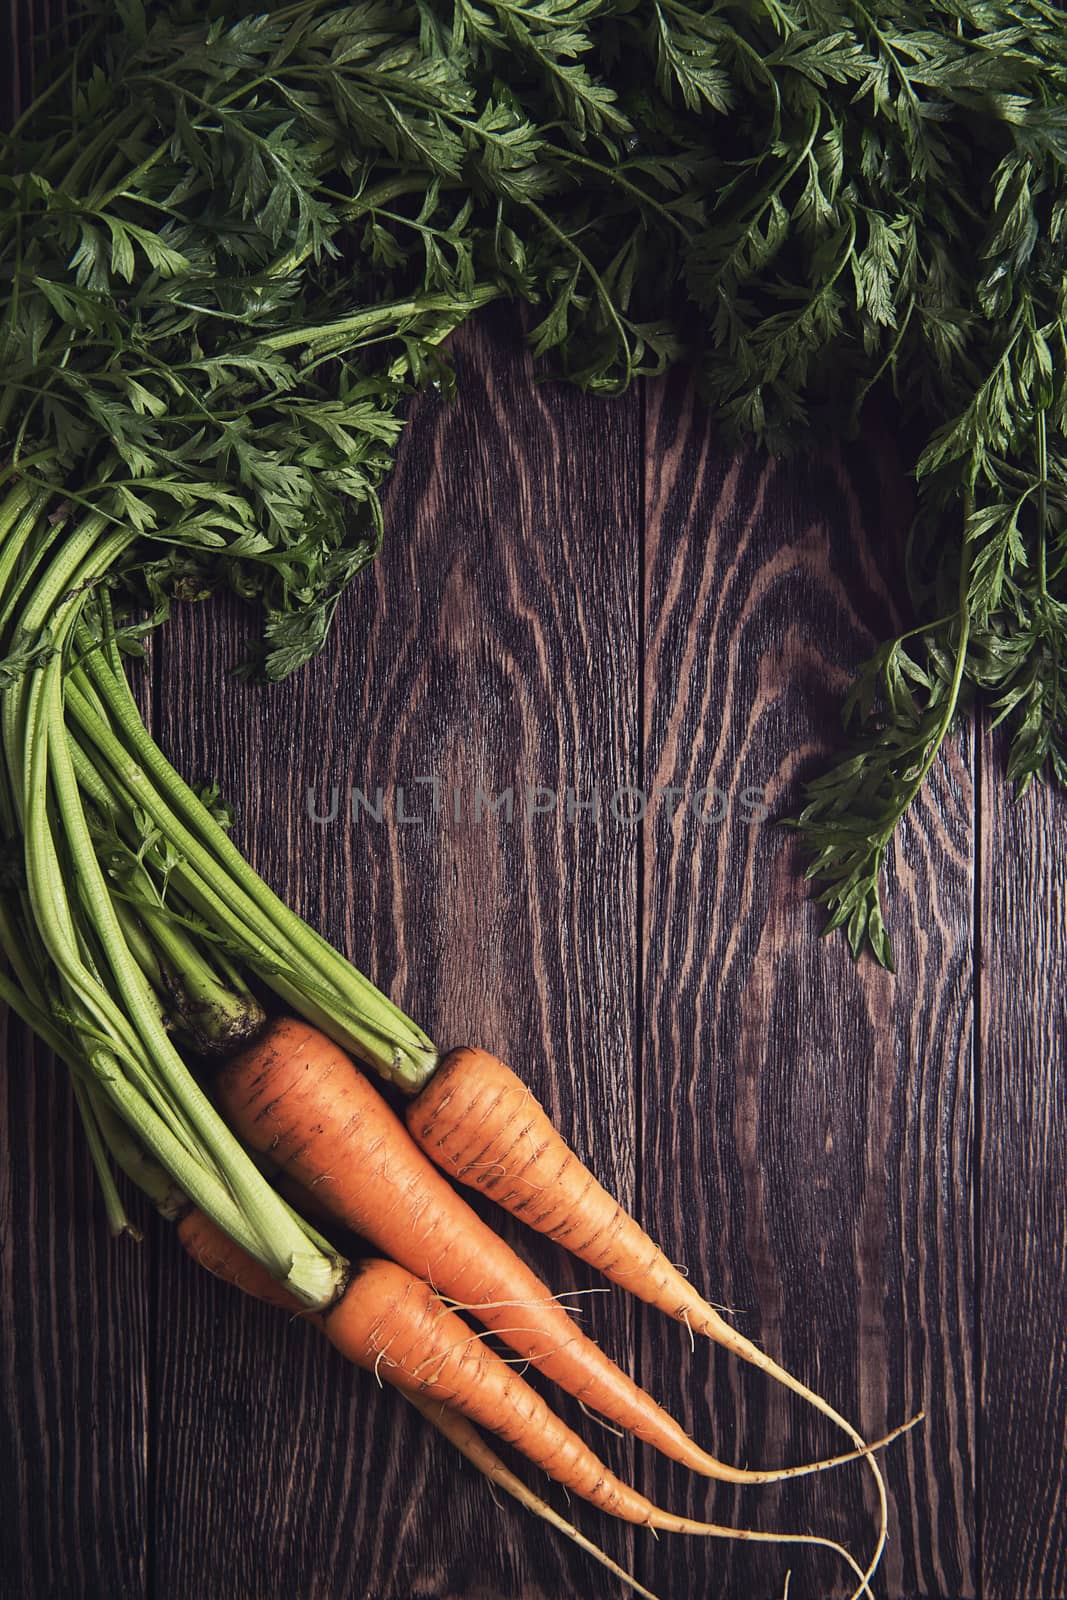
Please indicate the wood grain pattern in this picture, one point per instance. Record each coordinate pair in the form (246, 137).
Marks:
(33, 30)
(491, 653)
(74, 1357)
(870, 1172)
(820, 1111)
(1023, 1169)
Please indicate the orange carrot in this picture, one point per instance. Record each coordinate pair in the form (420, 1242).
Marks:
(214, 1250)
(468, 1441)
(392, 1324)
(479, 1122)
(217, 1253)
(298, 1098)
(483, 1126)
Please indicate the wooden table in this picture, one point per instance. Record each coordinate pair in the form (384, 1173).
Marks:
(579, 596)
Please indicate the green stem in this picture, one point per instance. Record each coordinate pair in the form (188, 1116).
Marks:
(208, 997)
(263, 1224)
(225, 906)
(82, 559)
(20, 498)
(281, 1245)
(91, 782)
(340, 333)
(140, 948)
(185, 1131)
(48, 534)
(951, 700)
(126, 793)
(218, 1018)
(385, 1037)
(170, 1201)
(117, 1220)
(210, 1192)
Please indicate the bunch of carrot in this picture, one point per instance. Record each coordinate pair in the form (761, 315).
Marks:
(165, 919)
(298, 1099)
(176, 383)
(141, 918)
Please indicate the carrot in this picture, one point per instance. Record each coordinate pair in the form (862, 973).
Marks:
(217, 1253)
(480, 1123)
(298, 1098)
(214, 1250)
(468, 1441)
(391, 1323)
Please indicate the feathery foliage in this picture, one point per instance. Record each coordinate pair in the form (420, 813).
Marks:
(231, 248)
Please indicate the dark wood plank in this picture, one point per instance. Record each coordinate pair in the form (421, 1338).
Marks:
(495, 644)
(74, 1358)
(807, 1124)
(1023, 1176)
(34, 31)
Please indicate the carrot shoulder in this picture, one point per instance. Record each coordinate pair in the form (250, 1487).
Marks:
(297, 1097)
